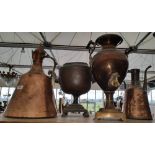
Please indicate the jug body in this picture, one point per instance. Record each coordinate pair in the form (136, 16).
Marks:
(136, 99)
(33, 96)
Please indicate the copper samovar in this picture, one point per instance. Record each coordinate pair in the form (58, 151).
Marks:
(75, 79)
(33, 97)
(109, 68)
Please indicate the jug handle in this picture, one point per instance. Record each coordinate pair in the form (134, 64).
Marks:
(54, 61)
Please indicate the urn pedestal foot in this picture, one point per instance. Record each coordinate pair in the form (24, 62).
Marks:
(110, 114)
(74, 108)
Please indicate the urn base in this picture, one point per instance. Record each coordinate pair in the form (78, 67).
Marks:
(74, 108)
(110, 114)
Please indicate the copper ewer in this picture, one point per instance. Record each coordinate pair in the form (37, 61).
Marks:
(75, 79)
(136, 99)
(109, 68)
(33, 97)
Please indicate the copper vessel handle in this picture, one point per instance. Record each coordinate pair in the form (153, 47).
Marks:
(54, 61)
(52, 73)
(91, 47)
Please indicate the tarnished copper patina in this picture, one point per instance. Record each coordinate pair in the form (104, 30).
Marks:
(109, 68)
(136, 99)
(33, 97)
(75, 79)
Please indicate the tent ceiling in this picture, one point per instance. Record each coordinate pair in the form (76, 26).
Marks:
(75, 38)
(15, 56)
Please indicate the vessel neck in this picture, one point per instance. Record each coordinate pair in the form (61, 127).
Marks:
(108, 46)
(37, 68)
(75, 101)
(135, 77)
(109, 100)
(135, 83)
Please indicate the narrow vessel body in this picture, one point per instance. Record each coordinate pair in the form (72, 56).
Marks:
(136, 99)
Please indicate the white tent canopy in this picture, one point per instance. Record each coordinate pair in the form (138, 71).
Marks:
(12, 54)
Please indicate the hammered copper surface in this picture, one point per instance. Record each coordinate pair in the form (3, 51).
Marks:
(137, 106)
(33, 97)
(109, 68)
(136, 99)
(75, 79)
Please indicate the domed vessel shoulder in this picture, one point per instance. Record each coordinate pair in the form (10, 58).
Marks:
(110, 65)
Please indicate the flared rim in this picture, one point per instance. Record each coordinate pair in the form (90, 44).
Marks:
(75, 63)
(109, 39)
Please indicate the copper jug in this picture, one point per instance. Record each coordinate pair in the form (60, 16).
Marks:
(136, 99)
(75, 79)
(33, 97)
(109, 68)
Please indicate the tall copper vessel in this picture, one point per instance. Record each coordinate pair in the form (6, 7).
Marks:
(109, 68)
(33, 97)
(136, 100)
(75, 79)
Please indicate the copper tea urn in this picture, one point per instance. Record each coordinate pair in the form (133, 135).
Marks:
(109, 68)
(33, 97)
(75, 79)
